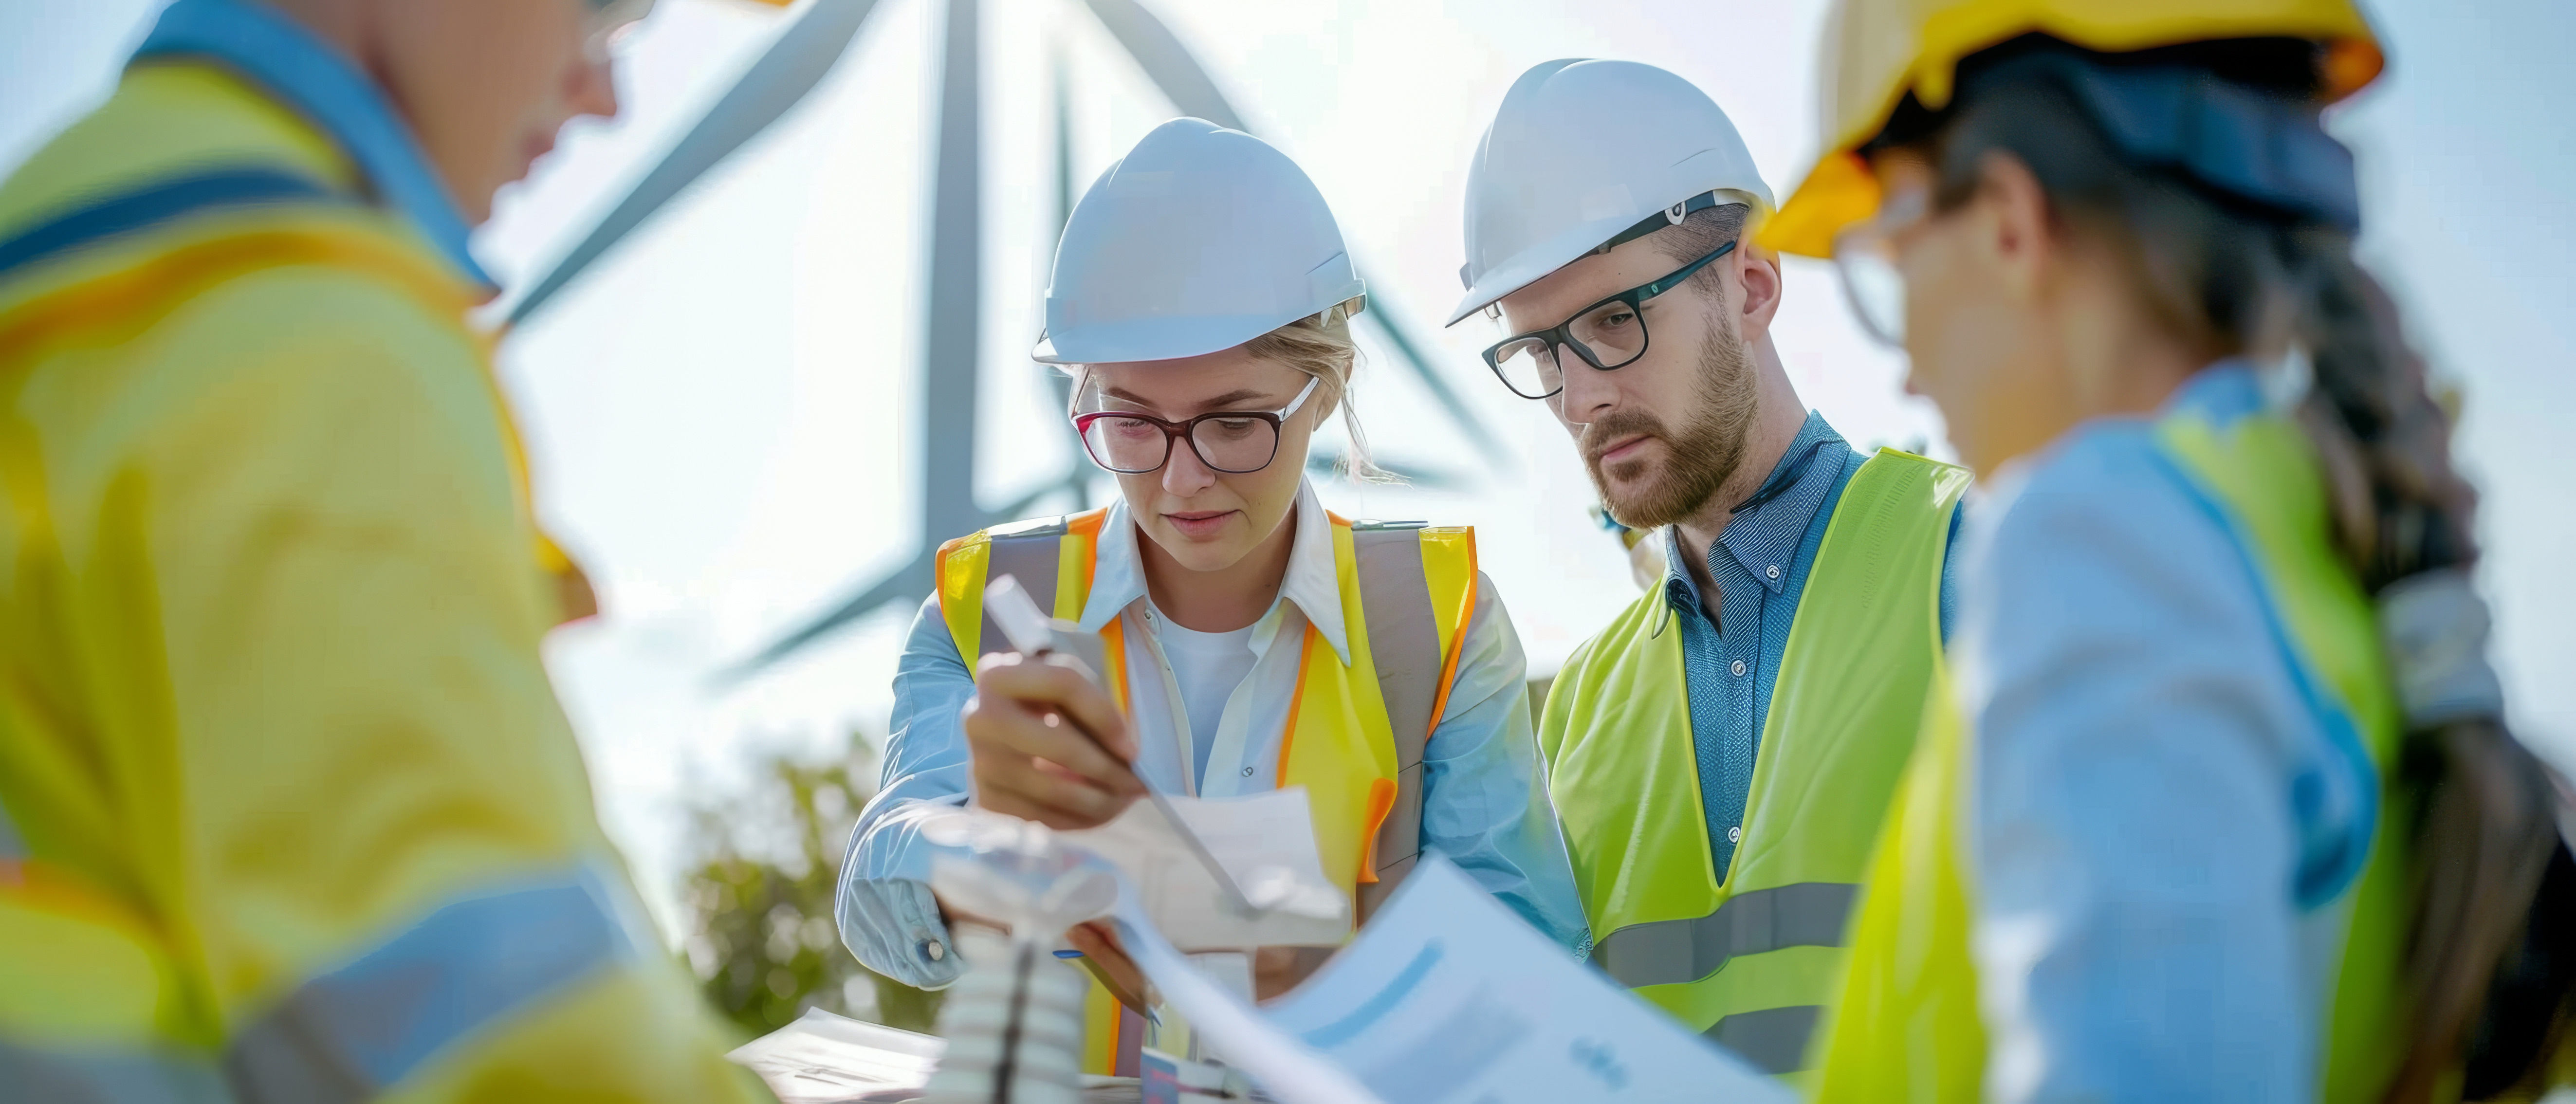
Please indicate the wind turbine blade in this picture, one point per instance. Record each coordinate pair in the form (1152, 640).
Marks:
(1168, 63)
(795, 63)
(1187, 84)
(952, 356)
(904, 584)
(1465, 417)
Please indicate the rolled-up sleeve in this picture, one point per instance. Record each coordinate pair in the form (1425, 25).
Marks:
(887, 914)
(1484, 791)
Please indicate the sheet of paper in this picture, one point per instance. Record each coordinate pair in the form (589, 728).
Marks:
(824, 1059)
(1448, 997)
(1287, 1070)
(1266, 841)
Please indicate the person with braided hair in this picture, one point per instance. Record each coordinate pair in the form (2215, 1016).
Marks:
(2213, 799)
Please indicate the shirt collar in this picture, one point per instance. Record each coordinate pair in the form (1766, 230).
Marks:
(2223, 392)
(1314, 582)
(307, 74)
(1765, 531)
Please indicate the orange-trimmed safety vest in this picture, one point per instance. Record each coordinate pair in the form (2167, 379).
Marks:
(1355, 732)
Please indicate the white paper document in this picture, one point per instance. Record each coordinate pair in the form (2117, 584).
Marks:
(1448, 998)
(1267, 842)
(826, 1058)
(823, 1058)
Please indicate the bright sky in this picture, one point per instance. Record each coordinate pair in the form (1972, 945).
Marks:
(722, 415)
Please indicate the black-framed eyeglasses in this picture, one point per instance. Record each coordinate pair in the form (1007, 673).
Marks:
(1231, 441)
(1608, 335)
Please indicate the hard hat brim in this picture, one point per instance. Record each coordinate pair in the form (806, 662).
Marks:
(1841, 191)
(1878, 54)
(1537, 261)
(1129, 341)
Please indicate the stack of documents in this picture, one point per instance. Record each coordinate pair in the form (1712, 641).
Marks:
(827, 1059)
(1445, 998)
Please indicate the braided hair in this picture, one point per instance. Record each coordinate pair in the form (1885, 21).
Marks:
(2491, 953)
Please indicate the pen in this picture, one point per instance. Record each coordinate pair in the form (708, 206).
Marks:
(1032, 633)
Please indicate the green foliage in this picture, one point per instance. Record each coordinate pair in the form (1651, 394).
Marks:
(762, 938)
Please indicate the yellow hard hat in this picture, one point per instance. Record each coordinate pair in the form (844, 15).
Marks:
(1877, 51)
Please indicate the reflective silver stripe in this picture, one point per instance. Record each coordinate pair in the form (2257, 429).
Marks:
(1807, 914)
(103, 1076)
(1027, 552)
(1773, 1040)
(12, 845)
(347, 1034)
(1404, 644)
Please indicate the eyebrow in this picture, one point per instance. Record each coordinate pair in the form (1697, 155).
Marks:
(1230, 399)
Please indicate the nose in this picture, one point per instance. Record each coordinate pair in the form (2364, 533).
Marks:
(1590, 393)
(1184, 474)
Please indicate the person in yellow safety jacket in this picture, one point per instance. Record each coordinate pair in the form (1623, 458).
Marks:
(1719, 754)
(2213, 800)
(287, 809)
(1254, 640)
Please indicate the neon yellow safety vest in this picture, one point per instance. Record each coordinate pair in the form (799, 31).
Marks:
(1355, 733)
(288, 811)
(1749, 962)
(1907, 1026)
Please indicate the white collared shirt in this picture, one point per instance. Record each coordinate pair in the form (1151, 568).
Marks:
(1484, 791)
(1243, 758)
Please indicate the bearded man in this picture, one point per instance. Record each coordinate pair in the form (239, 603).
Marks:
(1720, 755)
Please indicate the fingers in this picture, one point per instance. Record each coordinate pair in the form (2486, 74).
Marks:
(1013, 782)
(1108, 961)
(1029, 761)
(1057, 683)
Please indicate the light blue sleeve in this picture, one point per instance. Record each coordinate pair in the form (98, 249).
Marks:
(887, 914)
(1484, 791)
(2140, 738)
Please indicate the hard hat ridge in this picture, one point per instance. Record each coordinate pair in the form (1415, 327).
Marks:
(1200, 239)
(1581, 151)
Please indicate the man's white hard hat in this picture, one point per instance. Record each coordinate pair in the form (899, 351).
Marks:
(1200, 239)
(1581, 151)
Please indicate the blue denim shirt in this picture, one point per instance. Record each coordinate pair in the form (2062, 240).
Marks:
(1760, 563)
(1484, 788)
(2164, 815)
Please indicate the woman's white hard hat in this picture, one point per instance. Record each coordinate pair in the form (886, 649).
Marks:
(1582, 150)
(1199, 240)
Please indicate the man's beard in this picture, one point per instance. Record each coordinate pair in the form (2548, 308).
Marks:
(1703, 454)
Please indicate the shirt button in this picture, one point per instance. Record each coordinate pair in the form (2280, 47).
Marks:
(1247, 772)
(1735, 834)
(1738, 668)
(1772, 571)
(933, 950)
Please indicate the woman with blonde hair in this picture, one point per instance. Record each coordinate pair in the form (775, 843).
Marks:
(2215, 800)
(1201, 299)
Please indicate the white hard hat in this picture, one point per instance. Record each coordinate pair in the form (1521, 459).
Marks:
(1581, 152)
(1200, 239)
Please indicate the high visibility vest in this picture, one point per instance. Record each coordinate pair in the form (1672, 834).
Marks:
(1355, 733)
(1907, 1025)
(502, 948)
(1750, 961)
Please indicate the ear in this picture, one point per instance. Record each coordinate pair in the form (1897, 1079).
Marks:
(2016, 228)
(1759, 273)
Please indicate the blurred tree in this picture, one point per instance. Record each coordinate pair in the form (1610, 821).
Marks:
(762, 939)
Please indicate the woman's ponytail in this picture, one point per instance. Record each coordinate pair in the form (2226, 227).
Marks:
(2488, 981)
(2490, 967)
